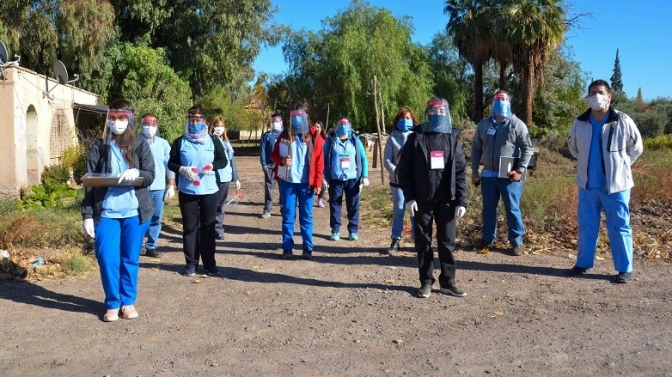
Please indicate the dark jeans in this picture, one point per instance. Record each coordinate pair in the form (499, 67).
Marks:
(446, 231)
(351, 190)
(198, 228)
(222, 194)
(269, 184)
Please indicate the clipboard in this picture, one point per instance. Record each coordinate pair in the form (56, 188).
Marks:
(105, 180)
(507, 164)
(285, 150)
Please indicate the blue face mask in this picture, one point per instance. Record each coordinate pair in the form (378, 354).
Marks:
(343, 130)
(502, 108)
(405, 124)
(196, 128)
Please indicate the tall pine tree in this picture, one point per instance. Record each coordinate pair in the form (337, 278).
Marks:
(616, 83)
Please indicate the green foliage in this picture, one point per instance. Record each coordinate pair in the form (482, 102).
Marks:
(650, 124)
(663, 142)
(147, 80)
(77, 263)
(51, 194)
(54, 227)
(334, 69)
(58, 173)
(616, 79)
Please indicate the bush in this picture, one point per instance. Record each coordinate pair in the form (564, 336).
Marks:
(661, 142)
(51, 228)
(55, 173)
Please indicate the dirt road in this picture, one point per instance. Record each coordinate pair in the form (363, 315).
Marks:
(349, 312)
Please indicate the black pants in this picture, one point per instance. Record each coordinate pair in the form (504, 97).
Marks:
(198, 228)
(446, 231)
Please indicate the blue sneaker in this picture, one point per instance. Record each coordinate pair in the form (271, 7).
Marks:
(214, 271)
(353, 236)
(190, 270)
(335, 236)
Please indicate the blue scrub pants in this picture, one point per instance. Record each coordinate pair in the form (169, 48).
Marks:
(617, 211)
(491, 189)
(118, 243)
(155, 223)
(351, 190)
(290, 193)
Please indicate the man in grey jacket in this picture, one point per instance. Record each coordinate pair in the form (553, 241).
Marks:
(501, 135)
(605, 142)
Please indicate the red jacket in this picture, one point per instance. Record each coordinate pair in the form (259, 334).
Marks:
(315, 154)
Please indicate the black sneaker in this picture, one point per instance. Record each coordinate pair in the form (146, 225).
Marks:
(152, 253)
(394, 247)
(287, 254)
(622, 277)
(452, 290)
(517, 250)
(214, 271)
(482, 245)
(577, 271)
(307, 254)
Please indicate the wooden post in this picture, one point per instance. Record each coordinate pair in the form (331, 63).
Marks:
(380, 135)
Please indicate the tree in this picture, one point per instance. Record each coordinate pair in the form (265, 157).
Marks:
(616, 83)
(334, 69)
(534, 30)
(470, 27)
(208, 42)
(75, 31)
(451, 79)
(145, 78)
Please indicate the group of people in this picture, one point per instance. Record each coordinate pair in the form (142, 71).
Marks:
(427, 175)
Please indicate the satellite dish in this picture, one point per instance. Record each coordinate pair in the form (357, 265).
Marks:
(60, 72)
(4, 55)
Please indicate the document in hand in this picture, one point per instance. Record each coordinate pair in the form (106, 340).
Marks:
(507, 164)
(285, 150)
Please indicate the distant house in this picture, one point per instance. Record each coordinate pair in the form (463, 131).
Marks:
(37, 123)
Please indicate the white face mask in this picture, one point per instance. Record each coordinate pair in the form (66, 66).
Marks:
(218, 131)
(276, 126)
(598, 102)
(148, 131)
(117, 126)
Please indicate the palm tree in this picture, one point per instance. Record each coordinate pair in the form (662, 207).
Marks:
(533, 29)
(471, 29)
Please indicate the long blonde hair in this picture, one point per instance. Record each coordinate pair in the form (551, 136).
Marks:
(219, 120)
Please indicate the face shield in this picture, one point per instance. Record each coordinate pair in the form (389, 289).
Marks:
(149, 126)
(195, 125)
(343, 128)
(501, 105)
(437, 117)
(117, 122)
(299, 122)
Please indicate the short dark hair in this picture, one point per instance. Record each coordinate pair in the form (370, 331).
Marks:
(599, 83)
(122, 104)
(276, 115)
(196, 109)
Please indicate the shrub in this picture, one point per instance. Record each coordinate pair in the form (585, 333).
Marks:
(48, 195)
(58, 173)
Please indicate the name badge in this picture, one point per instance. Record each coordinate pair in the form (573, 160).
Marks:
(436, 161)
(345, 161)
(491, 131)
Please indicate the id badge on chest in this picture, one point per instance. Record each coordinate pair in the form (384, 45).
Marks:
(491, 131)
(436, 161)
(345, 161)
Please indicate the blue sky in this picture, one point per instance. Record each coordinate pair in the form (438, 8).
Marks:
(640, 30)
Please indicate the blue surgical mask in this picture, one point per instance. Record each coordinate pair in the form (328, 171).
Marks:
(343, 130)
(502, 108)
(405, 124)
(196, 128)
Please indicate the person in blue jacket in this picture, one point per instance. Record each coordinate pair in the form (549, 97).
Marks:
(345, 169)
(226, 175)
(268, 140)
(163, 188)
(117, 216)
(196, 156)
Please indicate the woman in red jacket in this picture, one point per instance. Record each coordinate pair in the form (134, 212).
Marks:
(299, 158)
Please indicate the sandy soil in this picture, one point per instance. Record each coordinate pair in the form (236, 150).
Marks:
(351, 311)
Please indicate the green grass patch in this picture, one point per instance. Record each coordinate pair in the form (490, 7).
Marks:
(76, 263)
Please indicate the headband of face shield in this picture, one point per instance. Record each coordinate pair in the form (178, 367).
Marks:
(117, 122)
(501, 105)
(437, 117)
(343, 128)
(299, 122)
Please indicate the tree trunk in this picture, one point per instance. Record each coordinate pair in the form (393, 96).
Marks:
(527, 86)
(503, 64)
(478, 92)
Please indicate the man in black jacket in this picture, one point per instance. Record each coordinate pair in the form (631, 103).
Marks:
(431, 173)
